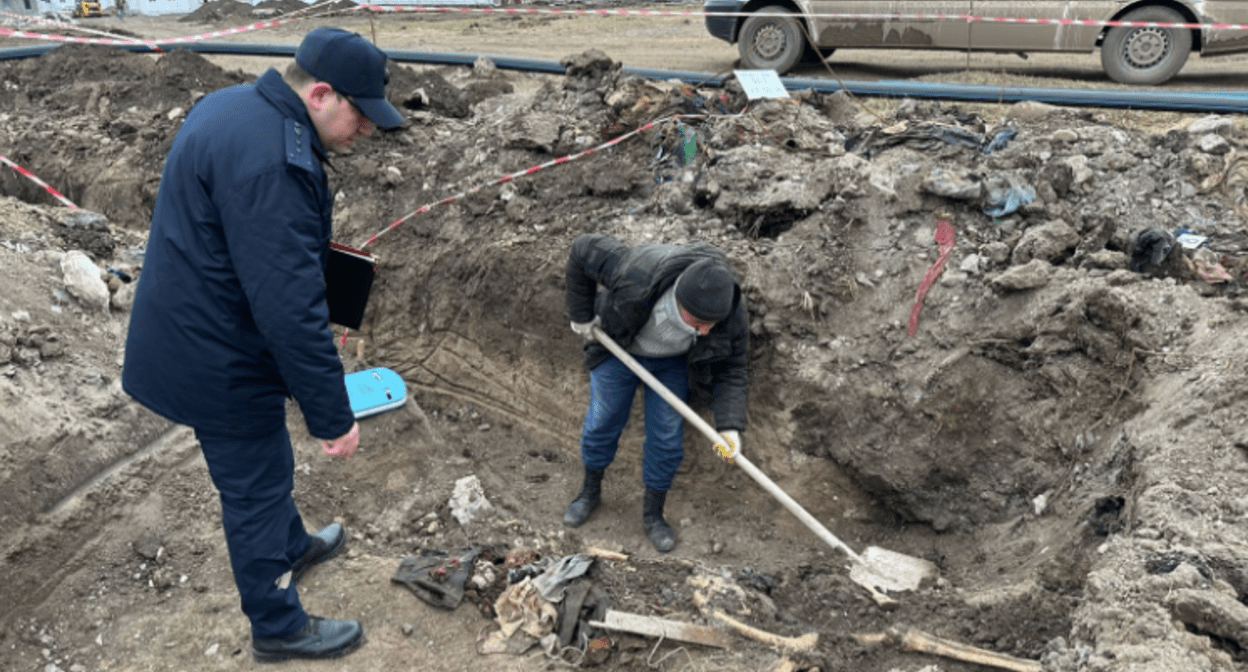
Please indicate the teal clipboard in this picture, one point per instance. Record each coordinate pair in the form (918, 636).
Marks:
(374, 391)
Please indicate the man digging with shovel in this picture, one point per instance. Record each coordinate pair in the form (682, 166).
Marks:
(678, 310)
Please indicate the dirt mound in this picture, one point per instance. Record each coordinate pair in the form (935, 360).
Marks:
(1060, 434)
(76, 78)
(233, 10)
(218, 10)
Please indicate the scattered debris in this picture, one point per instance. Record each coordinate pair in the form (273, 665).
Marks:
(468, 502)
(911, 639)
(435, 577)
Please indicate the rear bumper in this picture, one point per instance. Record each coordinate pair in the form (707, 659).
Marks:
(723, 27)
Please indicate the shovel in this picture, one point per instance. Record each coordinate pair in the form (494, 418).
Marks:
(877, 569)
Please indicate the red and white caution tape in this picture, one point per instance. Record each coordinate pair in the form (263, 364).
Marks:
(526, 172)
(300, 15)
(49, 22)
(520, 173)
(260, 25)
(9, 32)
(529, 10)
(68, 203)
(115, 39)
(966, 18)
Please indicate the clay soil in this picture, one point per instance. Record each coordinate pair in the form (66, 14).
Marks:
(1063, 436)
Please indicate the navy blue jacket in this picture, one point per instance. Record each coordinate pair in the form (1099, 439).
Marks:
(632, 280)
(229, 316)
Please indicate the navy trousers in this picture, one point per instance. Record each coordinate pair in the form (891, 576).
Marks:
(612, 386)
(264, 532)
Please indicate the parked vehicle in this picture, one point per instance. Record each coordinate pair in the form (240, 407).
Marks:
(773, 34)
(85, 9)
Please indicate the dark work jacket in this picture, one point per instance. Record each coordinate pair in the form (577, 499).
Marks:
(632, 280)
(229, 316)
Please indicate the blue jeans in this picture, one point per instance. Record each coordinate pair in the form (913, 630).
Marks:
(263, 530)
(611, 388)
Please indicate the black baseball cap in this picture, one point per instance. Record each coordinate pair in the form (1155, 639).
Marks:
(354, 67)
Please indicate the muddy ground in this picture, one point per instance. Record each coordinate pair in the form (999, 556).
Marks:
(1063, 435)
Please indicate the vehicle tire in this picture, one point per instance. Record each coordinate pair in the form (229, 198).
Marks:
(771, 42)
(1135, 55)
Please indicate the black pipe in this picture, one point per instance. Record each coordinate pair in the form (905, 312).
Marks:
(1137, 99)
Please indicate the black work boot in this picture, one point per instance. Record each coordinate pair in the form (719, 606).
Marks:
(661, 534)
(326, 544)
(586, 500)
(318, 638)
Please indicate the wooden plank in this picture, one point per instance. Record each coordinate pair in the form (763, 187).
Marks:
(604, 553)
(652, 626)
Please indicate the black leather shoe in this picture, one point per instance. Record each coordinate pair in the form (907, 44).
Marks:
(326, 544)
(318, 638)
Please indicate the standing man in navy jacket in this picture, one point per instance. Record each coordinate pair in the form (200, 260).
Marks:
(229, 318)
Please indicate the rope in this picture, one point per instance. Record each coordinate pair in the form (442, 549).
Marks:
(944, 242)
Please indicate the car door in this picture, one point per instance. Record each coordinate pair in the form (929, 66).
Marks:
(1224, 11)
(1052, 36)
(888, 24)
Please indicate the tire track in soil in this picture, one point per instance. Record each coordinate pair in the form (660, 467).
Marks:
(457, 367)
(77, 520)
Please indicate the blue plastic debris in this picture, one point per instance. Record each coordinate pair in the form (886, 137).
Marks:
(1004, 196)
(1000, 139)
(1189, 239)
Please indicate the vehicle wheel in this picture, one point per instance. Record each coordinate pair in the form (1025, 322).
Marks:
(771, 42)
(1134, 55)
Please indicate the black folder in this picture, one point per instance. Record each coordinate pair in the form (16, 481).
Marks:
(349, 277)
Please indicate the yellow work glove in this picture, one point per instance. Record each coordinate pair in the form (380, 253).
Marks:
(729, 444)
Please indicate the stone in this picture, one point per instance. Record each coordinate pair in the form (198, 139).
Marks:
(82, 280)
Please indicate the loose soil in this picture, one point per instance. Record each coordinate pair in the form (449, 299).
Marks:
(1063, 435)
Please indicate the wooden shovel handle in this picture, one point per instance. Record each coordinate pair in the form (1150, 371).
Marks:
(710, 433)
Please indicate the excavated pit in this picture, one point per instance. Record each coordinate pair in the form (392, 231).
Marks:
(1063, 436)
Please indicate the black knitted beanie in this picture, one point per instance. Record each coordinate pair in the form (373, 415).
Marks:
(706, 289)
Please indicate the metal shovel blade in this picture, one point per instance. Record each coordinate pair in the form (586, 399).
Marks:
(891, 571)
